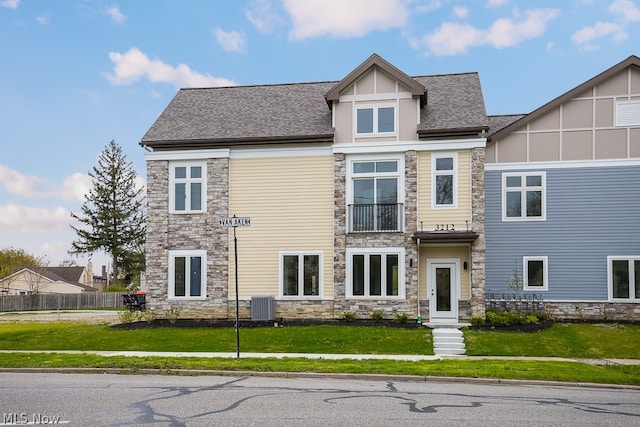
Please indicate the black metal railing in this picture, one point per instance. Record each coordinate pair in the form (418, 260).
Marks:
(513, 302)
(386, 217)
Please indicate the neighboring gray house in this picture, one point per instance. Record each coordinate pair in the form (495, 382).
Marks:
(563, 199)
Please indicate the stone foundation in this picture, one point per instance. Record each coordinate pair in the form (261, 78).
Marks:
(593, 311)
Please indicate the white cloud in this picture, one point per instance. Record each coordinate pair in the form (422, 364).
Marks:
(114, 13)
(133, 65)
(11, 4)
(428, 6)
(73, 188)
(600, 29)
(460, 12)
(230, 41)
(42, 19)
(453, 39)
(626, 9)
(496, 3)
(262, 15)
(506, 32)
(36, 220)
(344, 19)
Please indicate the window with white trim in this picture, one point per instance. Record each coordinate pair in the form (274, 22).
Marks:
(524, 196)
(187, 187)
(301, 274)
(535, 272)
(375, 194)
(375, 272)
(444, 180)
(624, 277)
(375, 120)
(187, 274)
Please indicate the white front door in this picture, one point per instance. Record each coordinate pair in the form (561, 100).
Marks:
(443, 285)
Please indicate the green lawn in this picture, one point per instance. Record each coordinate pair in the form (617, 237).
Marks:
(574, 340)
(581, 341)
(296, 339)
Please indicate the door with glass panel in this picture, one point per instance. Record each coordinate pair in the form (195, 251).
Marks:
(443, 285)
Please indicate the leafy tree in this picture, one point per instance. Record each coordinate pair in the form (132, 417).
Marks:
(113, 217)
(12, 259)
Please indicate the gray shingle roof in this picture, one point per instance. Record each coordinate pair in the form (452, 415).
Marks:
(454, 101)
(225, 115)
(499, 122)
(243, 112)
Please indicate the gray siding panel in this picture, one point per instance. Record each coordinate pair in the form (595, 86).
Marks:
(591, 213)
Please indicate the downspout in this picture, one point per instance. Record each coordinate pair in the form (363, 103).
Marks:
(418, 278)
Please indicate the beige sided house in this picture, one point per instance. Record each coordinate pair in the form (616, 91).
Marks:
(48, 280)
(364, 195)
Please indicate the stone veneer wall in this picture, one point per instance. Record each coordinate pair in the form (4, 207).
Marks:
(593, 311)
(478, 247)
(184, 232)
(363, 308)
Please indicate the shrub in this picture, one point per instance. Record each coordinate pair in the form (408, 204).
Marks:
(401, 318)
(477, 322)
(505, 318)
(348, 316)
(128, 316)
(377, 316)
(148, 316)
(172, 314)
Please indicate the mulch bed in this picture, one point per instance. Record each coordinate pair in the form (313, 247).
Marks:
(222, 323)
(531, 327)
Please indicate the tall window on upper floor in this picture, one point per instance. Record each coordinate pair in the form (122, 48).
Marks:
(374, 195)
(444, 187)
(524, 196)
(624, 277)
(187, 187)
(375, 120)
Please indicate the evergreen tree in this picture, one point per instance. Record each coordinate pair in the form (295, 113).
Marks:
(113, 217)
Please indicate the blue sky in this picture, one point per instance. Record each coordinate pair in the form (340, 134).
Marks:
(76, 74)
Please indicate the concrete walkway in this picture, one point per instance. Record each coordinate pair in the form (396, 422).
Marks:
(399, 357)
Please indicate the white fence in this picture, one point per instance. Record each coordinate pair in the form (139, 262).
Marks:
(87, 300)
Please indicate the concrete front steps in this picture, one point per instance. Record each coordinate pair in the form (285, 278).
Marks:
(448, 341)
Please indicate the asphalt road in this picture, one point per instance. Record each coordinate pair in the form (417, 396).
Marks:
(124, 400)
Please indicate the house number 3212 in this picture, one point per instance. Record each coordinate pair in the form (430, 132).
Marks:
(445, 227)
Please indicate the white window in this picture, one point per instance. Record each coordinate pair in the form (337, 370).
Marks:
(301, 274)
(535, 271)
(375, 120)
(524, 196)
(623, 274)
(187, 187)
(375, 194)
(444, 180)
(375, 273)
(187, 274)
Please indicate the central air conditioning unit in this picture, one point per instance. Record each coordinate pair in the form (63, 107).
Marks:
(263, 308)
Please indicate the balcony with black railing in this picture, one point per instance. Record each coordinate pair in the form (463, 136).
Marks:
(385, 217)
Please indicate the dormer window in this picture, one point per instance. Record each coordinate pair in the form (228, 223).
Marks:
(375, 120)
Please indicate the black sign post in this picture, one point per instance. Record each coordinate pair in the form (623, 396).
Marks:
(236, 222)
